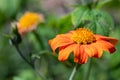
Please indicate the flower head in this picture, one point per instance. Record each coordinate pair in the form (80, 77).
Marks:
(82, 43)
(29, 22)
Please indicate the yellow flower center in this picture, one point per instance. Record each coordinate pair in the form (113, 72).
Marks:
(29, 19)
(83, 36)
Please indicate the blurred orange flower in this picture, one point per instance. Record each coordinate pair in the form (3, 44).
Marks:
(82, 43)
(28, 22)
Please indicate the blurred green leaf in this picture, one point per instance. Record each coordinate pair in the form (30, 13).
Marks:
(109, 4)
(101, 3)
(26, 75)
(98, 21)
(101, 29)
(41, 66)
(8, 8)
(115, 58)
(18, 78)
(79, 16)
(64, 24)
(102, 22)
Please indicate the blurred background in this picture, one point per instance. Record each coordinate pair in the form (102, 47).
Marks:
(13, 67)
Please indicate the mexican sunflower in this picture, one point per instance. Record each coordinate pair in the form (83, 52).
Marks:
(82, 43)
(28, 22)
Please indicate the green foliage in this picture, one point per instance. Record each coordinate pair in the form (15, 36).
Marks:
(35, 47)
(109, 4)
(8, 8)
(115, 57)
(64, 24)
(79, 16)
(98, 21)
(26, 75)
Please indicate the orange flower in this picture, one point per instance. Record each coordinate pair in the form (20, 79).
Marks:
(82, 43)
(28, 22)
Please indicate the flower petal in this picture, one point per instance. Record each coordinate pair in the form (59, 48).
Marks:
(113, 41)
(92, 51)
(106, 46)
(64, 52)
(99, 51)
(29, 22)
(80, 56)
(60, 40)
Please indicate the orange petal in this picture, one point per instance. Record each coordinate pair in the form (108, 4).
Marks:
(113, 41)
(106, 46)
(60, 40)
(23, 30)
(80, 56)
(99, 50)
(28, 22)
(76, 59)
(90, 50)
(64, 52)
(77, 51)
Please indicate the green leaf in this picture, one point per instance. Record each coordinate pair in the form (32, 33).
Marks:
(64, 24)
(80, 16)
(10, 6)
(41, 67)
(98, 21)
(8, 9)
(26, 74)
(110, 4)
(102, 3)
(101, 29)
(102, 21)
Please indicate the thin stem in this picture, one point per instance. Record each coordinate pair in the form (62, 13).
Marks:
(31, 64)
(86, 77)
(20, 53)
(39, 40)
(73, 72)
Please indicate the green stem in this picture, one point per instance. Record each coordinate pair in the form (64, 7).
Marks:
(74, 71)
(39, 40)
(31, 64)
(86, 77)
(20, 53)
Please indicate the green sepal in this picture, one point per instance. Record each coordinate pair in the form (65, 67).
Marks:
(15, 36)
